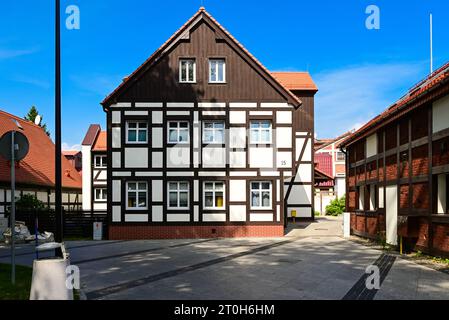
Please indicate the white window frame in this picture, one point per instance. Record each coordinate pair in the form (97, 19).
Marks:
(214, 191)
(137, 132)
(215, 61)
(103, 191)
(178, 191)
(137, 191)
(260, 191)
(214, 130)
(178, 128)
(259, 129)
(104, 163)
(336, 157)
(187, 70)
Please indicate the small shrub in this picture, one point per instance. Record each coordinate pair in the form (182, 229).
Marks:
(336, 207)
(29, 202)
(317, 213)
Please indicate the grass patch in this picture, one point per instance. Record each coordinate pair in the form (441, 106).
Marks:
(21, 291)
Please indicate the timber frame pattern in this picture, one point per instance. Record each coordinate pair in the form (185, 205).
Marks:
(153, 95)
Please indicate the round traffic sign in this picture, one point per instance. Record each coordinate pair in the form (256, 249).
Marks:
(21, 146)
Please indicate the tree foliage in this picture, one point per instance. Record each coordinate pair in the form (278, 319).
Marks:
(29, 202)
(336, 207)
(31, 116)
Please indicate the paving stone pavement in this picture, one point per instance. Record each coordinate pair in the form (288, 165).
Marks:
(312, 261)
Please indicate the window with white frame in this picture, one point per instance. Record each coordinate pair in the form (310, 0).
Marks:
(136, 195)
(100, 161)
(260, 132)
(178, 132)
(136, 132)
(217, 70)
(213, 195)
(213, 132)
(100, 194)
(340, 156)
(178, 195)
(261, 195)
(187, 70)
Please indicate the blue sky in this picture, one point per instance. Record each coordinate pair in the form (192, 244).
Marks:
(359, 71)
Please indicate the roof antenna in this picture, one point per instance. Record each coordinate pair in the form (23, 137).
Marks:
(431, 44)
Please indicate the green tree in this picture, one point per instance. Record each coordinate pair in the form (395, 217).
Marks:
(336, 207)
(29, 202)
(31, 116)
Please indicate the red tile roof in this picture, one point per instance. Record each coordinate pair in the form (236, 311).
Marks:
(70, 153)
(296, 80)
(407, 103)
(155, 55)
(323, 165)
(37, 169)
(101, 142)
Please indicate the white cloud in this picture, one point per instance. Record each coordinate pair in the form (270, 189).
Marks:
(67, 147)
(351, 96)
(13, 53)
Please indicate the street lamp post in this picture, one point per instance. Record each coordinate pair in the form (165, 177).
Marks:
(58, 151)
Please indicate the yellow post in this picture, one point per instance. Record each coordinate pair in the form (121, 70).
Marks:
(294, 216)
(400, 245)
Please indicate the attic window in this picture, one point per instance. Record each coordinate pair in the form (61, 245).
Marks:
(187, 71)
(217, 71)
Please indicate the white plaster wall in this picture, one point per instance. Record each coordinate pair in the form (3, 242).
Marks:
(340, 186)
(116, 191)
(157, 214)
(237, 117)
(116, 117)
(261, 217)
(87, 177)
(261, 157)
(214, 217)
(237, 137)
(441, 202)
(116, 160)
(381, 197)
(116, 138)
(116, 214)
(237, 159)
(100, 206)
(157, 134)
(284, 117)
(371, 145)
(136, 157)
(157, 160)
(178, 157)
(237, 190)
(300, 212)
(158, 117)
(157, 190)
(237, 213)
(284, 159)
(304, 173)
(136, 217)
(440, 110)
(214, 157)
(300, 194)
(178, 217)
(284, 137)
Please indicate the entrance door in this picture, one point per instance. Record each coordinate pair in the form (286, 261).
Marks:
(392, 214)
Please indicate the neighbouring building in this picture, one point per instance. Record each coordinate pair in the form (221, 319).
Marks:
(329, 160)
(95, 166)
(35, 174)
(337, 164)
(203, 141)
(398, 170)
(75, 158)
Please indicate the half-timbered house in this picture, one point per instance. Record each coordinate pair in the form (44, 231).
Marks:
(95, 165)
(203, 141)
(398, 170)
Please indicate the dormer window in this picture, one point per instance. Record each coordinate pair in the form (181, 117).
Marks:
(217, 71)
(187, 71)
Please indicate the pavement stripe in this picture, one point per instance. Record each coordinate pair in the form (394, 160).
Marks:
(68, 248)
(131, 253)
(359, 290)
(97, 294)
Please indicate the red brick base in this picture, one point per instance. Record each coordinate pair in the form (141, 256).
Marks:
(192, 232)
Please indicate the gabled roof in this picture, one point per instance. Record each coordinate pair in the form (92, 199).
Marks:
(70, 153)
(323, 167)
(182, 33)
(37, 168)
(296, 80)
(323, 143)
(101, 142)
(410, 101)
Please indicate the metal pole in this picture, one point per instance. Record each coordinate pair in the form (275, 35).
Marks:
(431, 44)
(13, 210)
(58, 169)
